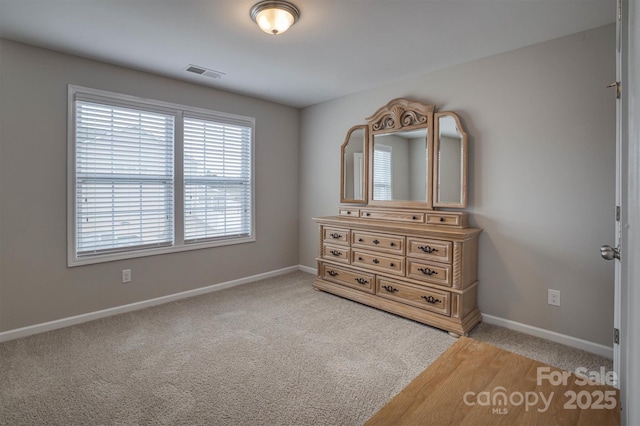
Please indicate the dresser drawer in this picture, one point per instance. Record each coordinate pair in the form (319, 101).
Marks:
(440, 251)
(336, 253)
(346, 211)
(397, 216)
(380, 262)
(446, 219)
(421, 297)
(354, 279)
(430, 272)
(378, 242)
(336, 236)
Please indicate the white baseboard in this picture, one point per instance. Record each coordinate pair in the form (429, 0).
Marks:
(308, 269)
(585, 345)
(78, 319)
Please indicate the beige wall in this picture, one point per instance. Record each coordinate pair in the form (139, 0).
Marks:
(35, 284)
(542, 162)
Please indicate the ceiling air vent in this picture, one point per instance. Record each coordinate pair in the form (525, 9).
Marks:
(204, 71)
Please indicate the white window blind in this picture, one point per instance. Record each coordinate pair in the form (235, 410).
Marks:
(217, 180)
(123, 178)
(382, 173)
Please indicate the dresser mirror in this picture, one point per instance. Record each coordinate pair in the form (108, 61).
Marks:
(400, 166)
(450, 168)
(353, 161)
(389, 162)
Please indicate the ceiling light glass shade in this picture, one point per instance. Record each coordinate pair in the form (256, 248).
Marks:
(274, 17)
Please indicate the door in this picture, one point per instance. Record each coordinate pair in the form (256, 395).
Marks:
(628, 300)
(608, 252)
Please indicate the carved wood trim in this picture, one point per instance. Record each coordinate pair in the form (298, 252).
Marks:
(401, 113)
(455, 305)
(457, 266)
(320, 243)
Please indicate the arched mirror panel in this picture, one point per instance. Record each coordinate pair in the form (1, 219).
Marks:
(354, 164)
(450, 162)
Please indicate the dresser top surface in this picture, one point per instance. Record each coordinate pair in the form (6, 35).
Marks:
(417, 229)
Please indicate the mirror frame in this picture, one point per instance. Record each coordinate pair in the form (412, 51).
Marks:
(465, 154)
(399, 115)
(365, 173)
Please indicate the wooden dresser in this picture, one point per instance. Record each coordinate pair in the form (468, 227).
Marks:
(391, 246)
(420, 264)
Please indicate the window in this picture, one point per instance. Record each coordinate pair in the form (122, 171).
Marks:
(382, 173)
(134, 164)
(217, 180)
(124, 178)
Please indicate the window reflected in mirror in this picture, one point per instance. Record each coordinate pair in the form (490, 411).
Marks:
(382, 173)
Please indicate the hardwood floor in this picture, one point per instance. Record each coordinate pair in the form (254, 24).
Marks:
(474, 383)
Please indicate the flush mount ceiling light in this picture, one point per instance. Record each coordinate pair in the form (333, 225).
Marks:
(274, 17)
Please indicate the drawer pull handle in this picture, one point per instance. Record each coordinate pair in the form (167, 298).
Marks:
(361, 281)
(392, 244)
(376, 242)
(376, 261)
(442, 219)
(428, 271)
(335, 253)
(392, 265)
(368, 214)
(428, 249)
(431, 299)
(332, 273)
(360, 240)
(359, 258)
(415, 218)
(348, 212)
(334, 235)
(389, 288)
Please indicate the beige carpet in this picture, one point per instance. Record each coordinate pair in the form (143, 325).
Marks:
(273, 352)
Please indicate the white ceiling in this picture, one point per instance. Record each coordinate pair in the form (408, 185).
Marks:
(336, 48)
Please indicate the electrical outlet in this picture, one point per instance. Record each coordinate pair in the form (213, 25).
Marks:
(553, 297)
(126, 275)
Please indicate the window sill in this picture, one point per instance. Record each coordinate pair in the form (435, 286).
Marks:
(90, 260)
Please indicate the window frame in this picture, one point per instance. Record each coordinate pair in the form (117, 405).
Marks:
(178, 111)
